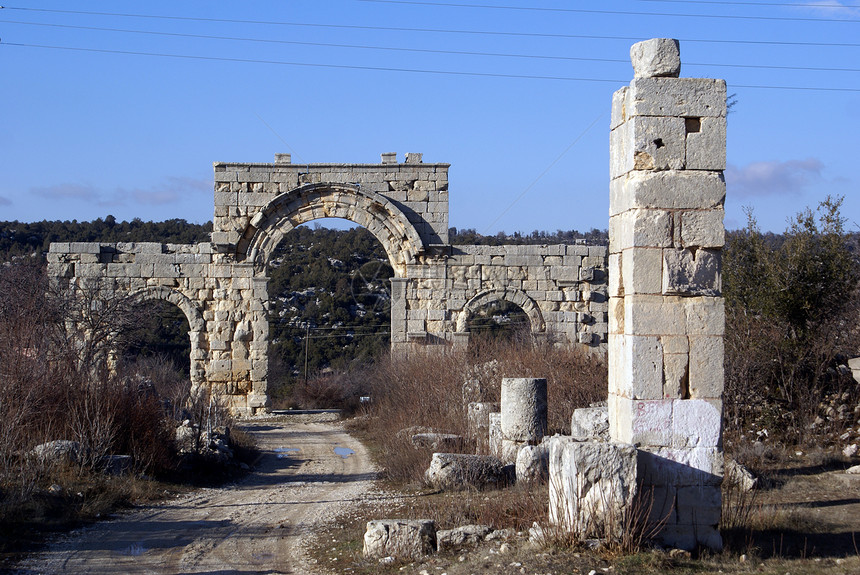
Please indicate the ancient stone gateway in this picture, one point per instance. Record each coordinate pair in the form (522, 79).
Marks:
(221, 285)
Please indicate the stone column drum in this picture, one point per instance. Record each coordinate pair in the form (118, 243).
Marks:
(524, 414)
(666, 312)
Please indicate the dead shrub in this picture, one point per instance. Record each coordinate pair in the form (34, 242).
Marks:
(426, 391)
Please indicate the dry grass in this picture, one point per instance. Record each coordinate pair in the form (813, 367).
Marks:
(427, 391)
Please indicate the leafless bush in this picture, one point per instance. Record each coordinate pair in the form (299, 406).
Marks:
(426, 390)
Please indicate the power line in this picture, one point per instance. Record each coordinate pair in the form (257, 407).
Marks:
(415, 50)
(611, 12)
(392, 69)
(440, 30)
(314, 65)
(764, 4)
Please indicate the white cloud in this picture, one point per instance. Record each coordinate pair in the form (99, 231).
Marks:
(772, 178)
(832, 8)
(82, 192)
(171, 190)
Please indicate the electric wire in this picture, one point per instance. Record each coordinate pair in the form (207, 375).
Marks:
(609, 12)
(394, 69)
(439, 30)
(764, 4)
(419, 50)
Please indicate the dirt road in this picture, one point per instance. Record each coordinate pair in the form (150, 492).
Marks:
(308, 471)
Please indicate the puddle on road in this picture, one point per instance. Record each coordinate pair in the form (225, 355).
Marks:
(284, 452)
(344, 451)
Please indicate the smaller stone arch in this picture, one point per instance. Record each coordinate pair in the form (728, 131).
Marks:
(371, 210)
(191, 311)
(516, 297)
(196, 324)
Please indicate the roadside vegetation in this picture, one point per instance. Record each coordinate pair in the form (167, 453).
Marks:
(791, 405)
(90, 425)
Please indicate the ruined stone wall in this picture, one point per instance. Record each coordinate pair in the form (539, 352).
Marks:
(222, 286)
(561, 288)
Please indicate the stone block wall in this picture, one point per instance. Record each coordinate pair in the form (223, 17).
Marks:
(561, 288)
(419, 190)
(221, 286)
(666, 316)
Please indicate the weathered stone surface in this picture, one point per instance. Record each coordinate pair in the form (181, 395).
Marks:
(454, 471)
(739, 476)
(399, 538)
(524, 409)
(495, 434)
(590, 424)
(656, 57)
(592, 486)
(692, 272)
(465, 536)
(57, 451)
(533, 463)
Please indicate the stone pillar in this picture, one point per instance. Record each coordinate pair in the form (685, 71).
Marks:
(524, 414)
(667, 155)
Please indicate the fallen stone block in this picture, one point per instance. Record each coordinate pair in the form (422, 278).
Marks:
(591, 486)
(399, 538)
(455, 471)
(590, 424)
(467, 535)
(58, 451)
(533, 463)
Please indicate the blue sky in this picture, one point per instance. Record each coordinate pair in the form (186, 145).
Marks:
(92, 126)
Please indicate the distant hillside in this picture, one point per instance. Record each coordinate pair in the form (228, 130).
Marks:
(19, 239)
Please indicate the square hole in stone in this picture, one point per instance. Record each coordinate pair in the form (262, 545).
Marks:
(693, 125)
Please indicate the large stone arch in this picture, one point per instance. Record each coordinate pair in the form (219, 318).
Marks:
(196, 323)
(371, 210)
(516, 297)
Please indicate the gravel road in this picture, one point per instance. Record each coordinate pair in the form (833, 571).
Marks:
(310, 469)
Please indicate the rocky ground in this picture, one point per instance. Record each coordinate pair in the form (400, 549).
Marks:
(304, 506)
(310, 470)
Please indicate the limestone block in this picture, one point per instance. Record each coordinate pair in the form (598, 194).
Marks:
(641, 422)
(642, 271)
(524, 409)
(591, 486)
(706, 143)
(671, 189)
(680, 467)
(656, 144)
(654, 315)
(641, 368)
(707, 374)
(705, 315)
(399, 538)
(676, 370)
(619, 108)
(590, 424)
(467, 535)
(696, 423)
(455, 471)
(479, 419)
(657, 57)
(614, 265)
(532, 463)
(495, 434)
(509, 449)
(692, 272)
(702, 228)
(640, 228)
(699, 505)
(677, 97)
